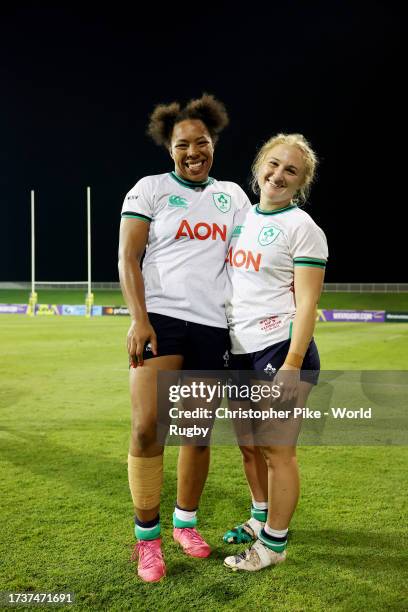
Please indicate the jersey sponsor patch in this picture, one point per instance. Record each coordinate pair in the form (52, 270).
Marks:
(201, 231)
(268, 234)
(222, 201)
(241, 258)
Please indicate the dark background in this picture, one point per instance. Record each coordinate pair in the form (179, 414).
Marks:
(78, 84)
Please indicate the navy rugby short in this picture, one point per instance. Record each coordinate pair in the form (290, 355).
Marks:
(203, 347)
(268, 361)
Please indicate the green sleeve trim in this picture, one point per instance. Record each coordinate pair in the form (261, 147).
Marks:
(310, 265)
(309, 261)
(130, 215)
(313, 259)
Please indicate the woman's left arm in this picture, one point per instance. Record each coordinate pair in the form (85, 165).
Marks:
(308, 287)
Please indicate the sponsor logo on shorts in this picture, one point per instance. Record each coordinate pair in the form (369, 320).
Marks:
(226, 359)
(269, 369)
(222, 201)
(201, 231)
(268, 234)
(176, 201)
(241, 258)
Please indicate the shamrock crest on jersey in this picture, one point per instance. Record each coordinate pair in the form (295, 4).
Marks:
(268, 234)
(222, 201)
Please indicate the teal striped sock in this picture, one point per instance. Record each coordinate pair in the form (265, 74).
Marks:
(273, 542)
(259, 515)
(149, 530)
(182, 523)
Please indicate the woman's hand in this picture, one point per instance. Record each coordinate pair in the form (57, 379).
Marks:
(288, 379)
(139, 333)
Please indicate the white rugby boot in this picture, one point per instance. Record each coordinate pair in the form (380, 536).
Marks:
(255, 558)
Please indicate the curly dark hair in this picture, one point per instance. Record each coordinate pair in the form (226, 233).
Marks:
(207, 109)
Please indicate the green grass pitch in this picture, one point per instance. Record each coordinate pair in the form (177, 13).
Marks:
(66, 513)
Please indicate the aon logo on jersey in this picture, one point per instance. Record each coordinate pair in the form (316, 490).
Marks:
(240, 258)
(201, 231)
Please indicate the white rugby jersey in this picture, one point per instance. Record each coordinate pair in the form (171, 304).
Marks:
(190, 228)
(264, 249)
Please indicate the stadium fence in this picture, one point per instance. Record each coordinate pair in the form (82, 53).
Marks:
(115, 286)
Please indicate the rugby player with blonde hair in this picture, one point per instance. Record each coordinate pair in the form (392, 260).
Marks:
(271, 314)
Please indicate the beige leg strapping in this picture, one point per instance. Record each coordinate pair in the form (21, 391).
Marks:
(145, 480)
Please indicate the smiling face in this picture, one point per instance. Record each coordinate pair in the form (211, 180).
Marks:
(280, 175)
(192, 149)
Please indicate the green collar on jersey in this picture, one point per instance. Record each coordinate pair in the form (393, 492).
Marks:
(191, 184)
(274, 212)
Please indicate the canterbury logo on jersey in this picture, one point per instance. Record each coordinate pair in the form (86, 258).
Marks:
(237, 230)
(201, 231)
(176, 201)
(241, 258)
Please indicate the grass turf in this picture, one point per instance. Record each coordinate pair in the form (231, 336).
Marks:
(66, 509)
(362, 301)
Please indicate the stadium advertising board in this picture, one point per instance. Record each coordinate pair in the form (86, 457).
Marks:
(13, 308)
(115, 310)
(79, 310)
(396, 317)
(323, 315)
(48, 309)
(350, 316)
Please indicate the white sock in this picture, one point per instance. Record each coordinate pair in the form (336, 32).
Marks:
(255, 525)
(275, 533)
(185, 515)
(260, 505)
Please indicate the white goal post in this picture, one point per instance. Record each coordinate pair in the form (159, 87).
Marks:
(89, 299)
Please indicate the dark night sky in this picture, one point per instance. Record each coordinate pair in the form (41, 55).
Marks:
(78, 85)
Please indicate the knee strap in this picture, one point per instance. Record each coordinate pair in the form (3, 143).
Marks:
(145, 480)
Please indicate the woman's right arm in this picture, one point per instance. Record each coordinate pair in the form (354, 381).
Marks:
(133, 238)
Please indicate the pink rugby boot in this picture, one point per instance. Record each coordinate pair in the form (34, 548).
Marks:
(151, 566)
(191, 542)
